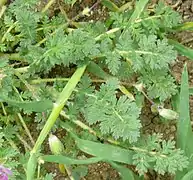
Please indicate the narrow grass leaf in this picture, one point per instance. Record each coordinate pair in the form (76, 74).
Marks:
(184, 130)
(191, 90)
(139, 8)
(124, 172)
(184, 27)
(96, 70)
(31, 166)
(184, 125)
(69, 161)
(110, 5)
(183, 50)
(124, 90)
(34, 106)
(176, 102)
(188, 176)
(105, 151)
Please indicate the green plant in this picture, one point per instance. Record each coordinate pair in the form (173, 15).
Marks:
(108, 65)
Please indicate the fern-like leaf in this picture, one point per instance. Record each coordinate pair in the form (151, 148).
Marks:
(118, 117)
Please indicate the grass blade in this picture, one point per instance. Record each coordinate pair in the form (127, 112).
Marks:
(191, 90)
(31, 167)
(69, 161)
(184, 27)
(124, 172)
(183, 50)
(139, 8)
(98, 71)
(63, 97)
(188, 176)
(110, 5)
(35, 106)
(184, 125)
(184, 131)
(105, 151)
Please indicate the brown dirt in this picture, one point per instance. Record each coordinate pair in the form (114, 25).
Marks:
(101, 171)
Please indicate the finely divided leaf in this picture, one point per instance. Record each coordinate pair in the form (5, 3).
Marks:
(156, 53)
(117, 117)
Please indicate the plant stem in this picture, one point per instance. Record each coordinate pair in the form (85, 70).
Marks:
(24, 142)
(3, 8)
(69, 173)
(8, 30)
(89, 129)
(3, 108)
(21, 119)
(48, 6)
(37, 81)
(148, 18)
(22, 69)
(26, 128)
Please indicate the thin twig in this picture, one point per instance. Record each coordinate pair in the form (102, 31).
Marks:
(24, 142)
(26, 128)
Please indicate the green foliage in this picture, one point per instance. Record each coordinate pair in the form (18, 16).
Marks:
(162, 154)
(156, 83)
(119, 117)
(129, 49)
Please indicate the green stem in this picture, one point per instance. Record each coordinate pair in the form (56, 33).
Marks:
(26, 128)
(38, 81)
(21, 119)
(8, 30)
(48, 6)
(3, 108)
(24, 142)
(148, 18)
(63, 97)
(3, 8)
(89, 129)
(38, 173)
(22, 69)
